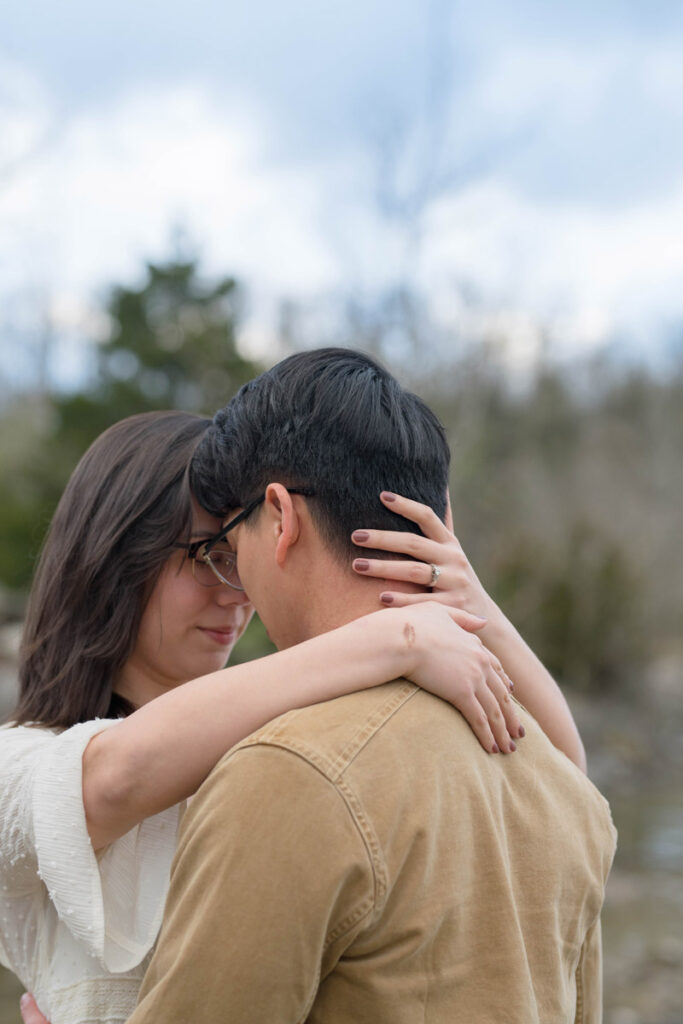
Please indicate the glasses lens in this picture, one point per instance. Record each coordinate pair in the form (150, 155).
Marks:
(219, 565)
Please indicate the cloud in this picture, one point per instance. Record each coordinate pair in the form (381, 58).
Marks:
(591, 272)
(94, 191)
(105, 195)
(584, 118)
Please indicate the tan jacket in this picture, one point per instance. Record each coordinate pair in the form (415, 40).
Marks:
(364, 861)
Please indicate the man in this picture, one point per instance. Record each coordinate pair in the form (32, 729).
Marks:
(365, 860)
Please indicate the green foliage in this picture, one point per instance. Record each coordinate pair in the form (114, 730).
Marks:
(172, 344)
(567, 499)
(577, 605)
(254, 644)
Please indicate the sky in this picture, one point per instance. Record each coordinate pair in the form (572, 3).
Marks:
(530, 154)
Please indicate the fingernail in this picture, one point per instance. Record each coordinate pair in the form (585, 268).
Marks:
(386, 598)
(388, 496)
(361, 565)
(24, 999)
(521, 732)
(494, 748)
(360, 535)
(512, 747)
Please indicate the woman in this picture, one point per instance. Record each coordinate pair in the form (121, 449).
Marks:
(123, 611)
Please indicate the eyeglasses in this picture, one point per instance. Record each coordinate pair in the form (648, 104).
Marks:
(214, 563)
(212, 567)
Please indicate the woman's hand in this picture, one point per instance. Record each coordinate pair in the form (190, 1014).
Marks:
(457, 587)
(456, 584)
(30, 1014)
(452, 662)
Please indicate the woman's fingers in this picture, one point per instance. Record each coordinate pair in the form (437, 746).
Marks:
(468, 620)
(477, 718)
(419, 573)
(448, 518)
(30, 1014)
(455, 665)
(397, 599)
(425, 517)
(492, 689)
(501, 687)
(421, 548)
(492, 704)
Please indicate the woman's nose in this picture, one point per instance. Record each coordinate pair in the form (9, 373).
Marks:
(226, 595)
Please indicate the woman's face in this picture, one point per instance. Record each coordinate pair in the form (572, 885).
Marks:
(187, 630)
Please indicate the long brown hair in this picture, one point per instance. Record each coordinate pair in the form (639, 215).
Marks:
(127, 502)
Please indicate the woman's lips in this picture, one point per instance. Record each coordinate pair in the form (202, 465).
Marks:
(224, 637)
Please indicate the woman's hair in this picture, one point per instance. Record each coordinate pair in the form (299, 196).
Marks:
(127, 502)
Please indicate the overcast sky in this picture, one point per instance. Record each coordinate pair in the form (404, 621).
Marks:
(534, 148)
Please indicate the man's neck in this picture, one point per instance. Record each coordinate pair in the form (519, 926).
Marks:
(339, 608)
(333, 597)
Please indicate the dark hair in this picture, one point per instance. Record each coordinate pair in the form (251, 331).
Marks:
(332, 420)
(127, 502)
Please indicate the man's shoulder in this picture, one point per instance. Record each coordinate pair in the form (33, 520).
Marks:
(331, 734)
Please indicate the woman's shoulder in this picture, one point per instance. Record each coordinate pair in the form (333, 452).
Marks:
(36, 732)
(21, 744)
(21, 747)
(15, 737)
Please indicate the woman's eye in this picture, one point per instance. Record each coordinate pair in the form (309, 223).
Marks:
(221, 556)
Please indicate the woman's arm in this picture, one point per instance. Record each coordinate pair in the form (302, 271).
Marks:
(161, 753)
(458, 587)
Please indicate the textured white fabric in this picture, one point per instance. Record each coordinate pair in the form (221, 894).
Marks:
(76, 928)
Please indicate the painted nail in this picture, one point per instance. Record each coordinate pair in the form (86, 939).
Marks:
(388, 496)
(359, 536)
(512, 747)
(494, 748)
(386, 598)
(361, 564)
(521, 732)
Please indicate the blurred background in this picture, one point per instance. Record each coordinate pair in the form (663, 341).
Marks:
(487, 197)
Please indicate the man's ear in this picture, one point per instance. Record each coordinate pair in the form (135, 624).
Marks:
(283, 518)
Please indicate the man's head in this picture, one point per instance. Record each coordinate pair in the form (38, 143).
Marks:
(332, 422)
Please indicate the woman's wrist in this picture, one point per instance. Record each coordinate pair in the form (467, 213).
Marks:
(498, 632)
(407, 640)
(390, 641)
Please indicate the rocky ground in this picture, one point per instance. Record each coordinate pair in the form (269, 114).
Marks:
(635, 754)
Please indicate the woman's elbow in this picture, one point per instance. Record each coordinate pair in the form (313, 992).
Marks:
(108, 790)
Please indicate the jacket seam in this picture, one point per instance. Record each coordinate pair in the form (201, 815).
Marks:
(377, 721)
(362, 825)
(275, 735)
(578, 1019)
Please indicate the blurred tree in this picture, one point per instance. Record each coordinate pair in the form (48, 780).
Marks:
(171, 344)
(552, 493)
(578, 606)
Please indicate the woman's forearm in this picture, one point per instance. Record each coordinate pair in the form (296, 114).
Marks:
(535, 688)
(161, 753)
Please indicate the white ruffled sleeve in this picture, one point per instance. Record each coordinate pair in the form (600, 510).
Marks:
(113, 902)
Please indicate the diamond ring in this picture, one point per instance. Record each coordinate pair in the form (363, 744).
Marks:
(436, 572)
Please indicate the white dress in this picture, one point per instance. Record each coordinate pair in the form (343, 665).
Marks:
(77, 928)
